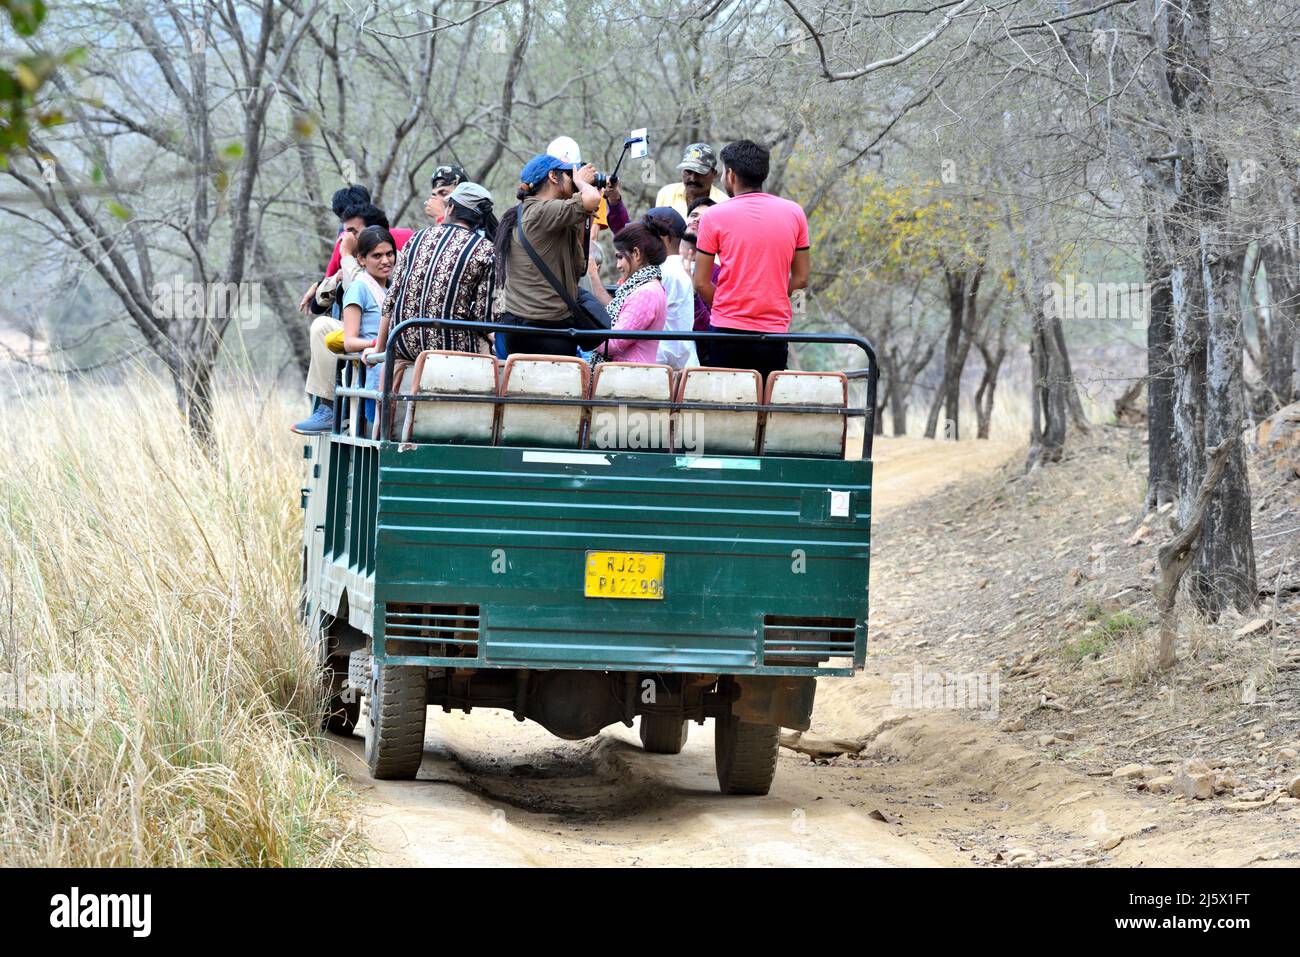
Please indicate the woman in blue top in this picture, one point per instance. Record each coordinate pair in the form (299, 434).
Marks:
(364, 299)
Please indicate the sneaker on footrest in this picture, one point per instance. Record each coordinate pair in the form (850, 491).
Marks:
(320, 421)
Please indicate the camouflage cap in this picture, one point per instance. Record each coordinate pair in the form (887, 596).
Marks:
(700, 158)
(448, 176)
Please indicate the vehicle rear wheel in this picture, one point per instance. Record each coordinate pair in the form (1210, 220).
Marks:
(746, 755)
(395, 725)
(664, 733)
(342, 705)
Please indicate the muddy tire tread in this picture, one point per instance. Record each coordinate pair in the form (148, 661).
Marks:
(752, 755)
(663, 734)
(398, 714)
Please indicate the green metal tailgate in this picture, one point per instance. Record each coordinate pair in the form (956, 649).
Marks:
(765, 570)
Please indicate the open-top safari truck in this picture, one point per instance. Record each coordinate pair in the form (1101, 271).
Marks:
(582, 547)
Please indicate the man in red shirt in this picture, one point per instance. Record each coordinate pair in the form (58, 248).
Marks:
(761, 241)
(355, 219)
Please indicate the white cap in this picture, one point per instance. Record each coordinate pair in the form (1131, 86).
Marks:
(563, 147)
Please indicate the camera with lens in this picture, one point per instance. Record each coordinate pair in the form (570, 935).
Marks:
(639, 145)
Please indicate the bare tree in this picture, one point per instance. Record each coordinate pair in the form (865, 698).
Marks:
(100, 206)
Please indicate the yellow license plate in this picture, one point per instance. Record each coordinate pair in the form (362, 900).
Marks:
(625, 575)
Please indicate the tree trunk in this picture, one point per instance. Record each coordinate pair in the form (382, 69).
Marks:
(1282, 312)
(906, 367)
(1050, 406)
(936, 406)
(1225, 568)
(199, 409)
(988, 386)
(898, 410)
(1162, 469)
(1188, 351)
(1204, 289)
(956, 349)
(885, 400)
(1176, 555)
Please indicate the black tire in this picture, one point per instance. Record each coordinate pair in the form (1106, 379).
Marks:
(746, 755)
(342, 706)
(663, 733)
(395, 726)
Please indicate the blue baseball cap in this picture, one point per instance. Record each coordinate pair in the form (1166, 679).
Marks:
(536, 169)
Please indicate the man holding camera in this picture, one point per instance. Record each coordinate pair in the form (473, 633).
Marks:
(556, 200)
(699, 169)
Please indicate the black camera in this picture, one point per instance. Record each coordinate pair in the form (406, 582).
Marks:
(601, 180)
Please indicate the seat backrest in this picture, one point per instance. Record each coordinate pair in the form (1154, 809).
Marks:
(439, 372)
(543, 376)
(635, 429)
(713, 430)
(806, 433)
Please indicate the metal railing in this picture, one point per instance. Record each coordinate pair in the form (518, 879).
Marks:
(352, 364)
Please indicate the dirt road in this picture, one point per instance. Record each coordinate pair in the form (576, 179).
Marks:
(494, 791)
(926, 787)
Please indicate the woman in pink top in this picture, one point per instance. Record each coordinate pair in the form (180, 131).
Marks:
(640, 302)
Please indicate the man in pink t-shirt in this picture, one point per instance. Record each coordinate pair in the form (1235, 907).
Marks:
(762, 243)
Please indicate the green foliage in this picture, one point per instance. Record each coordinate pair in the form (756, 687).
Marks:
(873, 235)
(24, 15)
(21, 77)
(1109, 628)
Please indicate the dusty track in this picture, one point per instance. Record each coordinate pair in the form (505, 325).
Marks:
(493, 791)
(931, 787)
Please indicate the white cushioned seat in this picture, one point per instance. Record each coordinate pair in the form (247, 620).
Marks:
(806, 433)
(440, 372)
(637, 429)
(543, 376)
(712, 431)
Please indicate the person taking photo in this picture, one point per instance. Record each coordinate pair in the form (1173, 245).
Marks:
(544, 253)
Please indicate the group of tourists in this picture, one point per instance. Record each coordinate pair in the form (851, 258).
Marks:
(702, 259)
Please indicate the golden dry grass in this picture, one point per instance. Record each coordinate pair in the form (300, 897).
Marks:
(162, 586)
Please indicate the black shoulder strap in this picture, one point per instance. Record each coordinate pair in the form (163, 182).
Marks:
(541, 266)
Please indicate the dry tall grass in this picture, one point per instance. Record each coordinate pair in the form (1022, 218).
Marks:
(1010, 421)
(161, 585)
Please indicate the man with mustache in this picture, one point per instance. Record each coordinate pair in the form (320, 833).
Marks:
(699, 167)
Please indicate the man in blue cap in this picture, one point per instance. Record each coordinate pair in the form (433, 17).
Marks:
(556, 200)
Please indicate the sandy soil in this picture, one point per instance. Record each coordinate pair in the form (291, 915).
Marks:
(929, 787)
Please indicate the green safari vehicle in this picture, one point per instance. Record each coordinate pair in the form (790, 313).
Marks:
(587, 546)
